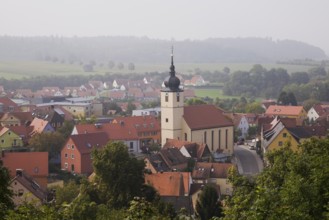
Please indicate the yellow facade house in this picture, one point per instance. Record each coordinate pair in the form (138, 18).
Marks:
(280, 134)
(9, 139)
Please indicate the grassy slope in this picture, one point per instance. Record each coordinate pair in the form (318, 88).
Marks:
(20, 69)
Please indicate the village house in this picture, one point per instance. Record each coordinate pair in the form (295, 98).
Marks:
(26, 189)
(148, 129)
(7, 105)
(173, 187)
(34, 164)
(216, 173)
(196, 151)
(16, 118)
(282, 131)
(289, 111)
(40, 126)
(76, 153)
(9, 138)
(167, 159)
(317, 111)
(115, 132)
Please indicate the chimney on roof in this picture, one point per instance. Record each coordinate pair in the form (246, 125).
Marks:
(19, 172)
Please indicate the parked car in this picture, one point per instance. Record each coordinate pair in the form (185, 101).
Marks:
(240, 141)
(252, 147)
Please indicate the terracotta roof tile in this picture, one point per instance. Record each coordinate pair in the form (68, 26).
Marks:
(169, 183)
(283, 110)
(33, 163)
(85, 143)
(205, 170)
(205, 116)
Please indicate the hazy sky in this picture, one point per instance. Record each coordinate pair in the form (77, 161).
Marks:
(302, 20)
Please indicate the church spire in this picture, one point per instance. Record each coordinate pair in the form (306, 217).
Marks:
(172, 67)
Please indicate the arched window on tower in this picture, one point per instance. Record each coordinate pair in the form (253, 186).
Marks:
(166, 97)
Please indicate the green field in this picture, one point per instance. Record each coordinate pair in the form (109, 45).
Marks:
(212, 93)
(20, 69)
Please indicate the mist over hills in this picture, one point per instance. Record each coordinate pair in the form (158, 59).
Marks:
(143, 49)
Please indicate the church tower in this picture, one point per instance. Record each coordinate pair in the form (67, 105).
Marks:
(172, 106)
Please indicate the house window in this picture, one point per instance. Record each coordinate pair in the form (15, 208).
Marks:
(66, 165)
(68, 146)
(72, 167)
(226, 138)
(167, 119)
(219, 140)
(280, 143)
(65, 155)
(166, 97)
(72, 156)
(20, 192)
(72, 147)
(177, 96)
(2, 141)
(212, 140)
(131, 145)
(185, 136)
(284, 135)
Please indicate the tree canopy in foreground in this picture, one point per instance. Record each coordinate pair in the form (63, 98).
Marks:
(294, 185)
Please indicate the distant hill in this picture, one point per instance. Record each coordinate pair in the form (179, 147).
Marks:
(136, 49)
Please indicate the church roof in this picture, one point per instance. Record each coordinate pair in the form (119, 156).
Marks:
(200, 117)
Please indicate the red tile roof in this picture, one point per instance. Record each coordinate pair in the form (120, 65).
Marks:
(169, 183)
(205, 116)
(113, 131)
(7, 102)
(33, 163)
(283, 110)
(196, 150)
(205, 170)
(85, 143)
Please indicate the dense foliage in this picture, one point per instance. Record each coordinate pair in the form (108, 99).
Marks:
(208, 204)
(5, 192)
(294, 185)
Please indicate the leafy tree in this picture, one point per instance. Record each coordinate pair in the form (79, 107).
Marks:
(50, 142)
(299, 78)
(5, 193)
(130, 107)
(120, 66)
(294, 185)
(287, 99)
(88, 68)
(208, 204)
(120, 177)
(141, 209)
(131, 66)
(30, 211)
(67, 193)
(226, 70)
(254, 107)
(195, 101)
(111, 64)
(66, 129)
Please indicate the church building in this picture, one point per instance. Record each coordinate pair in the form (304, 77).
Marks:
(196, 123)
